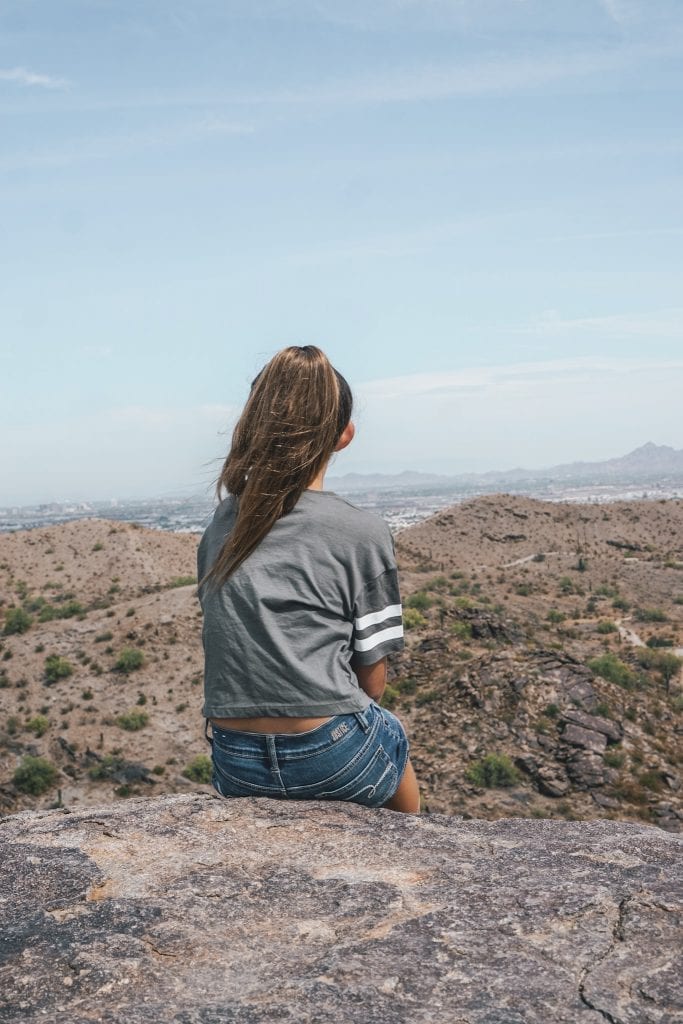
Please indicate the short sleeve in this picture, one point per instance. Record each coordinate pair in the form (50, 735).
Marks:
(378, 619)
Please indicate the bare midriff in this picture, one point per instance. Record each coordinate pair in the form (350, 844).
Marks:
(265, 724)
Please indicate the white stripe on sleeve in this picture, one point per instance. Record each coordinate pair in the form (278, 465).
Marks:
(372, 618)
(378, 638)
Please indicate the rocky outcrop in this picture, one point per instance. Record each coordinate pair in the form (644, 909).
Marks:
(192, 909)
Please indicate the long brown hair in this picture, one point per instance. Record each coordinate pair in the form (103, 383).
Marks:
(297, 409)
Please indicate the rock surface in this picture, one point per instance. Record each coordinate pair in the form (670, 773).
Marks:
(196, 909)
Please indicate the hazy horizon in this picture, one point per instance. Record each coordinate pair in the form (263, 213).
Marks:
(333, 473)
(472, 206)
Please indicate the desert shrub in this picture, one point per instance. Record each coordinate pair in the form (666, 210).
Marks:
(438, 583)
(524, 589)
(650, 615)
(68, 610)
(606, 626)
(631, 791)
(543, 724)
(99, 546)
(38, 725)
(660, 641)
(420, 601)
(554, 615)
(389, 697)
(132, 721)
(407, 685)
(35, 775)
(566, 585)
(129, 659)
(665, 662)
(427, 697)
(16, 621)
(199, 770)
(621, 604)
(412, 618)
(607, 590)
(182, 581)
(609, 667)
(602, 710)
(538, 557)
(57, 668)
(651, 780)
(551, 710)
(463, 630)
(614, 758)
(493, 770)
(103, 637)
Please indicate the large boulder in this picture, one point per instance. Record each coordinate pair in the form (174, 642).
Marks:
(196, 910)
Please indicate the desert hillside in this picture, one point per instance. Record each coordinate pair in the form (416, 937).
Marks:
(541, 675)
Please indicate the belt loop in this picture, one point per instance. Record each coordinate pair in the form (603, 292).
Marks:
(272, 755)
(206, 732)
(362, 717)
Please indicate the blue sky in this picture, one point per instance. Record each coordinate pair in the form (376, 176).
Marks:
(473, 206)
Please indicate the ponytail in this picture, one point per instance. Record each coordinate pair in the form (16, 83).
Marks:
(296, 411)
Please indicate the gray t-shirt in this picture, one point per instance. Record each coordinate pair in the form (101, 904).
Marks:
(322, 586)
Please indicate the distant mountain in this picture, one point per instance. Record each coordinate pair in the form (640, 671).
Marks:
(651, 463)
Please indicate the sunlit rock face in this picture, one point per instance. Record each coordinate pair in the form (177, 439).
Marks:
(196, 909)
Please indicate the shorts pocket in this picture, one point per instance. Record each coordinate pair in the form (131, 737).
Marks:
(373, 785)
(234, 783)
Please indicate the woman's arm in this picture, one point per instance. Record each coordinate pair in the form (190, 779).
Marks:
(372, 678)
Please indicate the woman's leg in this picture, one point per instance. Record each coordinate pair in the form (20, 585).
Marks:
(407, 796)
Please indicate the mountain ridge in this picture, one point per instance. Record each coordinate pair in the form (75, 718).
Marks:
(646, 463)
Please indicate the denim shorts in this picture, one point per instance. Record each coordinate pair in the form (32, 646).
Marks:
(358, 757)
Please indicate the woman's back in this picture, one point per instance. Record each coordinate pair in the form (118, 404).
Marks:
(279, 635)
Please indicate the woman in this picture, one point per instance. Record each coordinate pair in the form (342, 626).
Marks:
(300, 594)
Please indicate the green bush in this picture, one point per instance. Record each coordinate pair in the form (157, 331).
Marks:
(660, 641)
(129, 659)
(606, 626)
(614, 670)
(16, 621)
(420, 601)
(199, 770)
(463, 630)
(389, 697)
(103, 637)
(551, 710)
(39, 725)
(35, 775)
(650, 615)
(132, 721)
(412, 618)
(492, 771)
(555, 616)
(57, 668)
(182, 581)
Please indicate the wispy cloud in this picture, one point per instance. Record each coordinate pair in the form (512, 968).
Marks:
(511, 377)
(665, 323)
(107, 147)
(22, 76)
